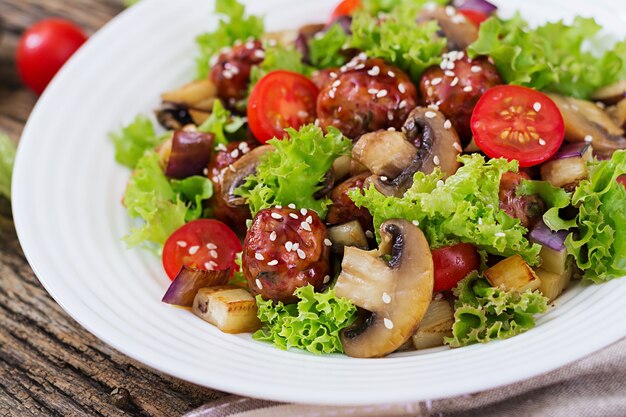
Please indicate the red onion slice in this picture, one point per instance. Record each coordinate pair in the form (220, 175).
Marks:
(546, 237)
(187, 283)
(482, 6)
(191, 152)
(571, 150)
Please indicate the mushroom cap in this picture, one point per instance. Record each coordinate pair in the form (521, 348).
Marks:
(396, 292)
(237, 173)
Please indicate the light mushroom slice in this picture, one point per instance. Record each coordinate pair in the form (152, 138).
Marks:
(618, 113)
(611, 94)
(586, 122)
(384, 153)
(396, 292)
(458, 30)
(439, 146)
(192, 94)
(235, 175)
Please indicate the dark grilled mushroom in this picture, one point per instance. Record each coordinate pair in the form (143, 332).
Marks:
(236, 174)
(396, 293)
(457, 29)
(437, 144)
(586, 122)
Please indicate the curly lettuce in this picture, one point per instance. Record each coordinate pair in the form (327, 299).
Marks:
(326, 49)
(484, 313)
(463, 208)
(278, 57)
(313, 324)
(223, 125)
(294, 172)
(163, 206)
(551, 57)
(234, 25)
(599, 247)
(7, 158)
(133, 140)
(555, 198)
(398, 39)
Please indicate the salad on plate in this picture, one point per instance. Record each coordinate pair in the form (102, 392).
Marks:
(407, 174)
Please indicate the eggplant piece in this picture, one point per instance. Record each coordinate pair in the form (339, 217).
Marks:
(513, 273)
(347, 234)
(231, 309)
(568, 166)
(190, 154)
(185, 286)
(554, 257)
(396, 292)
(552, 285)
(435, 326)
(482, 6)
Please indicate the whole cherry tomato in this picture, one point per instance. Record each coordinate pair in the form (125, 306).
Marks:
(453, 263)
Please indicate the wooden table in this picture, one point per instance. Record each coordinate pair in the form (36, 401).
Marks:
(49, 364)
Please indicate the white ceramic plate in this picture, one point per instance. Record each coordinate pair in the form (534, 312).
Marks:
(67, 210)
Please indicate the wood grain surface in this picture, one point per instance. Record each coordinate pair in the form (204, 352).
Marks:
(49, 364)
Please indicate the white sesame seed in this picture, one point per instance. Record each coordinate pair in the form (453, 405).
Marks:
(291, 206)
(436, 160)
(416, 223)
(305, 226)
(288, 245)
(447, 124)
(235, 153)
(388, 323)
(326, 279)
(293, 215)
(273, 236)
(309, 219)
(537, 106)
(272, 42)
(386, 298)
(232, 168)
(301, 254)
(374, 71)
(296, 246)
(276, 216)
(303, 114)
(221, 147)
(588, 138)
(434, 107)
(234, 70)
(391, 129)
(194, 249)
(454, 82)
(213, 253)
(430, 114)
(182, 243)
(327, 242)
(205, 171)
(450, 73)
(402, 104)
(227, 74)
(259, 257)
(390, 115)
(381, 93)
(369, 234)
(440, 183)
(457, 146)
(336, 83)
(391, 74)
(331, 93)
(438, 296)
(304, 212)
(278, 207)
(372, 91)
(208, 266)
(243, 146)
(436, 81)
(401, 88)
(359, 67)
(500, 234)
(258, 284)
(211, 246)
(476, 68)
(272, 263)
(333, 75)
(450, 65)
(383, 178)
(450, 11)
(259, 54)
(542, 142)
(467, 88)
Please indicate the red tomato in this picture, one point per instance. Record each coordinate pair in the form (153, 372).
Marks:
(622, 179)
(44, 48)
(345, 8)
(453, 263)
(474, 16)
(201, 244)
(516, 122)
(280, 100)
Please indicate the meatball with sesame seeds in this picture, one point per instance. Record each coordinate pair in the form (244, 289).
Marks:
(231, 70)
(343, 208)
(455, 87)
(366, 96)
(284, 250)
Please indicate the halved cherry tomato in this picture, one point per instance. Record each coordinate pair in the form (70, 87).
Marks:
(280, 100)
(345, 8)
(516, 122)
(202, 244)
(44, 48)
(474, 16)
(453, 263)
(622, 179)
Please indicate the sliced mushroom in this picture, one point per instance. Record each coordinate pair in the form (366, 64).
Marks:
(347, 234)
(384, 153)
(618, 113)
(173, 116)
(236, 174)
(586, 122)
(611, 94)
(457, 29)
(192, 94)
(439, 146)
(396, 292)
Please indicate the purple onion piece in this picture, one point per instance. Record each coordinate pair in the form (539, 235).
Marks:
(345, 22)
(302, 46)
(572, 150)
(185, 286)
(191, 152)
(544, 236)
(482, 6)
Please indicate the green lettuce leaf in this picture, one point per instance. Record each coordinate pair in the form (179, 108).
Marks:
(278, 57)
(374, 7)
(398, 39)
(194, 190)
(325, 51)
(599, 248)
(294, 171)
(223, 125)
(555, 198)
(463, 208)
(7, 158)
(132, 141)
(234, 25)
(551, 57)
(484, 313)
(313, 324)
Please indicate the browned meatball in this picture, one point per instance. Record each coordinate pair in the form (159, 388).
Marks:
(231, 71)
(285, 249)
(222, 158)
(343, 209)
(457, 87)
(528, 209)
(367, 95)
(324, 77)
